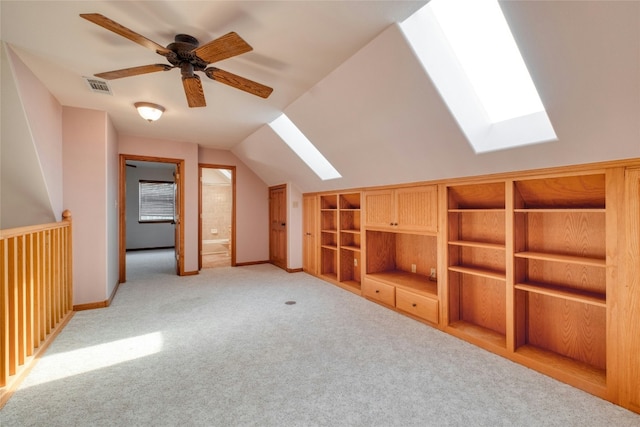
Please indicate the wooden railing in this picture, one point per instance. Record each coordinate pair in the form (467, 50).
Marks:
(36, 295)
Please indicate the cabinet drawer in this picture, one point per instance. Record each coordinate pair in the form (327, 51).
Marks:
(418, 305)
(379, 291)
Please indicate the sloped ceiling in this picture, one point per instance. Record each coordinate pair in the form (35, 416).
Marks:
(355, 89)
(379, 119)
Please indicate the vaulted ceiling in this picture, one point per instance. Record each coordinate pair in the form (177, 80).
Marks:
(343, 72)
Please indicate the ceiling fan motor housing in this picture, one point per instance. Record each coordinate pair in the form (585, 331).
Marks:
(182, 53)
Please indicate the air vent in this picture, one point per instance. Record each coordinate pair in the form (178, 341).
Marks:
(98, 86)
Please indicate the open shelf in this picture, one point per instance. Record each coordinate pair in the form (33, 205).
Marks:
(564, 293)
(480, 272)
(564, 367)
(569, 259)
(485, 245)
(478, 334)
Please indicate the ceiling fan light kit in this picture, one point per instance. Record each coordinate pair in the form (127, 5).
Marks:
(149, 111)
(186, 54)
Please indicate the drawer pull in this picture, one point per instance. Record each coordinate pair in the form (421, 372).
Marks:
(413, 305)
(377, 291)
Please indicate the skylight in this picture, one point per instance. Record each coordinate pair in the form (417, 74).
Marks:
(468, 50)
(300, 144)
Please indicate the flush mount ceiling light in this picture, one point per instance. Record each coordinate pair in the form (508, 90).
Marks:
(148, 111)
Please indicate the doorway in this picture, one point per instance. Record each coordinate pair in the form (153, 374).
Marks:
(216, 230)
(278, 226)
(175, 227)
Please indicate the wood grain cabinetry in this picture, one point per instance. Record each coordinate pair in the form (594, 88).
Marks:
(541, 267)
(560, 274)
(477, 281)
(404, 262)
(408, 209)
(310, 233)
(340, 235)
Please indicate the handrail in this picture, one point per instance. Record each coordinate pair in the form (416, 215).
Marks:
(36, 295)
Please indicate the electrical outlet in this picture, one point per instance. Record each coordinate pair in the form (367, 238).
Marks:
(413, 268)
(214, 231)
(433, 272)
(355, 262)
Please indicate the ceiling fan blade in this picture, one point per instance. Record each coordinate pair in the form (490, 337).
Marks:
(133, 71)
(110, 25)
(238, 82)
(224, 47)
(194, 92)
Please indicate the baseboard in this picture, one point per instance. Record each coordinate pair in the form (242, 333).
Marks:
(91, 305)
(294, 270)
(244, 264)
(150, 249)
(190, 273)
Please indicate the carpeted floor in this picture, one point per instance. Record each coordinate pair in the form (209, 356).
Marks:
(224, 348)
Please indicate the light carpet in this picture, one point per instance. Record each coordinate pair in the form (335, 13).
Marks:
(224, 349)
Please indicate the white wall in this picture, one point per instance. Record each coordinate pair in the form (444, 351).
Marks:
(294, 227)
(379, 119)
(146, 235)
(30, 148)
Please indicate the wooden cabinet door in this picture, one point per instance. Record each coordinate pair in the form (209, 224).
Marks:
(309, 229)
(417, 208)
(379, 208)
(278, 226)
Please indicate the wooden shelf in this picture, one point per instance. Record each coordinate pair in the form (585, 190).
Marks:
(484, 245)
(330, 276)
(564, 368)
(490, 274)
(352, 284)
(351, 248)
(329, 231)
(561, 210)
(350, 231)
(564, 293)
(333, 248)
(570, 259)
(494, 210)
(410, 281)
(479, 334)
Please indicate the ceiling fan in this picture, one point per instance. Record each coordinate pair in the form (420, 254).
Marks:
(187, 54)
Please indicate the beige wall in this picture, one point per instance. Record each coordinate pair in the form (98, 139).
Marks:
(85, 194)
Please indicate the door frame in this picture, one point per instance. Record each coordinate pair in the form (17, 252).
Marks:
(233, 210)
(122, 211)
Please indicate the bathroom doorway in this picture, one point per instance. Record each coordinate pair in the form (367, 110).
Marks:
(217, 216)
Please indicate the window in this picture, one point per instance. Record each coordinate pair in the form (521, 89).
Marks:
(300, 144)
(156, 201)
(467, 48)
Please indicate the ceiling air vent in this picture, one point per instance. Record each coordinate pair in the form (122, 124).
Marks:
(98, 86)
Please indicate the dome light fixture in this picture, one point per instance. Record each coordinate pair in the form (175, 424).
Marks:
(148, 111)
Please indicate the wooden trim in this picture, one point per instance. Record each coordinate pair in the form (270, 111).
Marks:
(122, 201)
(91, 305)
(244, 264)
(294, 270)
(190, 273)
(150, 249)
(233, 209)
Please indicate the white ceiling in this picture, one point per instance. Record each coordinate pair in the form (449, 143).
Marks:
(343, 72)
(295, 45)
